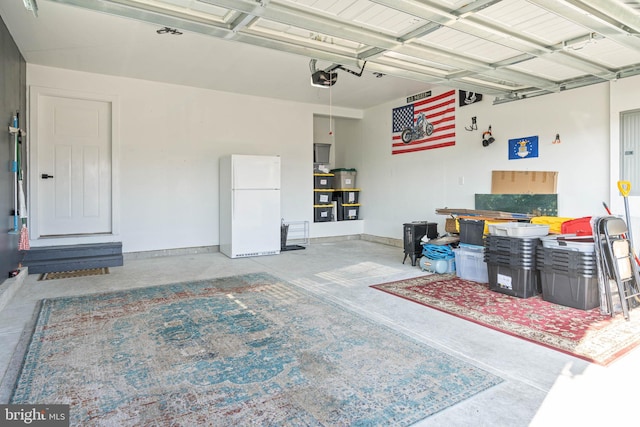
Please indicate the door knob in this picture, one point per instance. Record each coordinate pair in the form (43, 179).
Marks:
(46, 176)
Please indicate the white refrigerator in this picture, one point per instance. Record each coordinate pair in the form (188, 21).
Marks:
(249, 205)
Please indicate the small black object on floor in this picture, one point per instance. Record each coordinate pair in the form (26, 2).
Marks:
(291, 248)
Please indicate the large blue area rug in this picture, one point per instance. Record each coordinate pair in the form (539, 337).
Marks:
(241, 350)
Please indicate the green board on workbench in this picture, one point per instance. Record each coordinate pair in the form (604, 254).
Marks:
(533, 204)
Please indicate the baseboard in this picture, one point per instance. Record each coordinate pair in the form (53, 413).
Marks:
(9, 287)
(368, 237)
(383, 240)
(332, 239)
(128, 256)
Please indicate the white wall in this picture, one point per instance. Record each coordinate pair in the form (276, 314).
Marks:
(171, 138)
(410, 187)
(347, 131)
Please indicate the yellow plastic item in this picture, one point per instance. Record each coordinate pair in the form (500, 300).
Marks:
(624, 187)
(554, 222)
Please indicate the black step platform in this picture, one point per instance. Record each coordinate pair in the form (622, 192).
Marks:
(51, 259)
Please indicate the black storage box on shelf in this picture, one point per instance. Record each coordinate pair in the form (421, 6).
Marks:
(517, 282)
(322, 196)
(511, 245)
(348, 211)
(568, 277)
(566, 260)
(516, 260)
(471, 231)
(322, 213)
(323, 180)
(347, 195)
(571, 290)
(511, 263)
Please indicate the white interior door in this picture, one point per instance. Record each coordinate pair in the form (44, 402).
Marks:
(74, 166)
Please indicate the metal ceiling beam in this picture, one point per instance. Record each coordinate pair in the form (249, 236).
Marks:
(298, 49)
(444, 57)
(116, 7)
(383, 65)
(449, 68)
(566, 11)
(469, 24)
(328, 26)
(456, 19)
(611, 13)
(421, 32)
(313, 22)
(466, 67)
(465, 23)
(376, 42)
(183, 21)
(567, 59)
(569, 84)
(502, 99)
(393, 69)
(524, 57)
(370, 53)
(153, 16)
(246, 19)
(528, 79)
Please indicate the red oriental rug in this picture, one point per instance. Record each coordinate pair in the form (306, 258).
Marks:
(586, 334)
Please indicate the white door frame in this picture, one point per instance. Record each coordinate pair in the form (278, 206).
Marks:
(35, 94)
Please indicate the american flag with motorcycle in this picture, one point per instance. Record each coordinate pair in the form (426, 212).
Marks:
(425, 124)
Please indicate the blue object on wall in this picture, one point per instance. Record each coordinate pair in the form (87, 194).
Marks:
(523, 148)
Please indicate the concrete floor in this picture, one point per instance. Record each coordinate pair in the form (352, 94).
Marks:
(542, 387)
